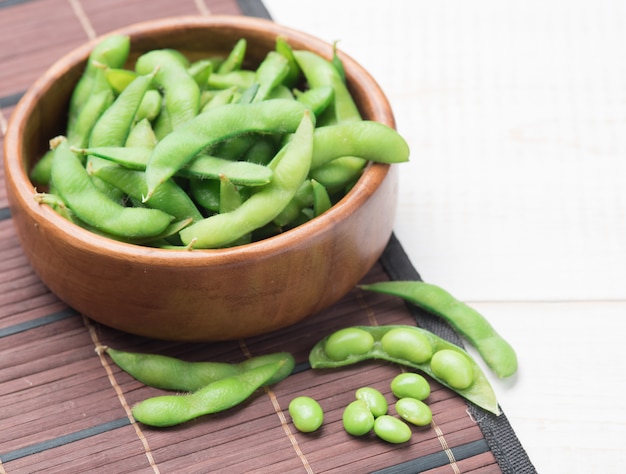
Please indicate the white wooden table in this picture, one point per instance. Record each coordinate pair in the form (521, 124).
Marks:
(515, 196)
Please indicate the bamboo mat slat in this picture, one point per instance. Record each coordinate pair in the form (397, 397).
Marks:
(65, 408)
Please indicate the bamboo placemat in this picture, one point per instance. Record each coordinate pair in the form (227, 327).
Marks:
(64, 408)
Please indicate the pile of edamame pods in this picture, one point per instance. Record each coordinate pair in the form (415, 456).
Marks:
(175, 153)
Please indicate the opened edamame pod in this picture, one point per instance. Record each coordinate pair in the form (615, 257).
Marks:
(478, 392)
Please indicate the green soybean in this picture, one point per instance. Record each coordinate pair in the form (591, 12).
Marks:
(392, 429)
(306, 414)
(225, 393)
(414, 411)
(412, 346)
(497, 353)
(348, 342)
(357, 418)
(453, 367)
(374, 400)
(171, 373)
(113, 126)
(479, 392)
(410, 384)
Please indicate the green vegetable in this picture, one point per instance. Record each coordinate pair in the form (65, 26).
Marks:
(374, 400)
(414, 411)
(392, 429)
(479, 392)
(410, 384)
(306, 413)
(495, 351)
(225, 393)
(357, 418)
(170, 373)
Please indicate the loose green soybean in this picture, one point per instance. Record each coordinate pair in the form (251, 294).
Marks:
(225, 393)
(170, 373)
(410, 384)
(392, 429)
(495, 351)
(374, 400)
(478, 392)
(306, 413)
(414, 411)
(357, 418)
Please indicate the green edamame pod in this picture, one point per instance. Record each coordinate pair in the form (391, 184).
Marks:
(235, 57)
(88, 117)
(72, 182)
(180, 89)
(114, 124)
(230, 199)
(239, 80)
(284, 48)
(479, 392)
(339, 173)
(111, 51)
(367, 139)
(290, 167)
(201, 71)
(169, 198)
(119, 78)
(201, 166)
(319, 72)
(178, 148)
(317, 99)
(141, 135)
(170, 410)
(171, 373)
(270, 73)
(495, 351)
(206, 192)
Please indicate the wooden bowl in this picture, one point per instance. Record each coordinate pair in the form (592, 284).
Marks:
(199, 295)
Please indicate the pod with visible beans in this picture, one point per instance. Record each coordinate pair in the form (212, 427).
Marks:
(479, 392)
(495, 350)
(306, 414)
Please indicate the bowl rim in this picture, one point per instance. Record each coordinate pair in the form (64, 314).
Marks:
(367, 184)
